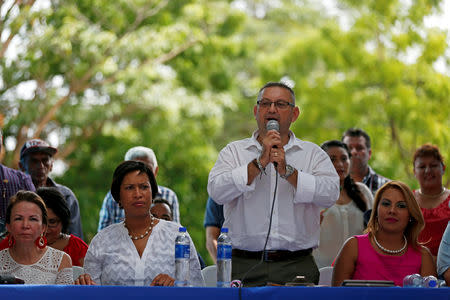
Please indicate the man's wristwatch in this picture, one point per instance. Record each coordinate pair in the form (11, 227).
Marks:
(289, 171)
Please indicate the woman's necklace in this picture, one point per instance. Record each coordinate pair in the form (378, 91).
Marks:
(391, 251)
(138, 237)
(60, 237)
(432, 196)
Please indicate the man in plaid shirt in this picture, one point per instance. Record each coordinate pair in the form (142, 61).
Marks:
(358, 142)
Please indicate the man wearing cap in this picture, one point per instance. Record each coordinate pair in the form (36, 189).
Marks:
(11, 181)
(36, 159)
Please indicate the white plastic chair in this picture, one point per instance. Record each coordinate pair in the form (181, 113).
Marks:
(326, 274)
(77, 271)
(210, 276)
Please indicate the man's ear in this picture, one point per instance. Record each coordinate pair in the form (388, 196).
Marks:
(295, 114)
(51, 164)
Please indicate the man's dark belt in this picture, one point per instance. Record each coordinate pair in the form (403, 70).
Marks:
(272, 255)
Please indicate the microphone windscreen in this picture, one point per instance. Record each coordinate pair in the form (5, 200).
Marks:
(273, 125)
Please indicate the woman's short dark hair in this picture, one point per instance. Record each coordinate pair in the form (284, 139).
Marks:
(26, 196)
(428, 150)
(55, 201)
(126, 167)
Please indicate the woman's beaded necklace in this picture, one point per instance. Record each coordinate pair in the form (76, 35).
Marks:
(391, 251)
(141, 236)
(432, 196)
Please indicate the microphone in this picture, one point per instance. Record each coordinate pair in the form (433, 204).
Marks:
(273, 125)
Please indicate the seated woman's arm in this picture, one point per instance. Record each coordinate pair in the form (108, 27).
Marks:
(344, 266)
(65, 274)
(428, 266)
(92, 264)
(447, 277)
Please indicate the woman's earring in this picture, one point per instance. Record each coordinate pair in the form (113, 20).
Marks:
(11, 241)
(41, 242)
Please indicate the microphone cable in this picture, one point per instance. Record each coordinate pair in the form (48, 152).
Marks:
(268, 234)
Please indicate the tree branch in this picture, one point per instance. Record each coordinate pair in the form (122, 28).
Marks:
(144, 13)
(5, 45)
(50, 114)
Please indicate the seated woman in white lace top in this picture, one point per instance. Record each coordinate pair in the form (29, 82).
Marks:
(28, 256)
(140, 250)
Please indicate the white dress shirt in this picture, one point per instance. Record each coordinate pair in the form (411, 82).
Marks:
(296, 215)
(340, 222)
(112, 258)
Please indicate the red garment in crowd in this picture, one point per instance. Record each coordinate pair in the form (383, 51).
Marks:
(76, 248)
(436, 220)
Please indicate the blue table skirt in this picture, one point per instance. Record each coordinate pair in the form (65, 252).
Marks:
(66, 292)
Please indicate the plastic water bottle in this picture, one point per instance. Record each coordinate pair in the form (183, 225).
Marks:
(182, 255)
(413, 280)
(430, 282)
(224, 259)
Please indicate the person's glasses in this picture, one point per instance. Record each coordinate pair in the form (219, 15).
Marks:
(280, 104)
(52, 223)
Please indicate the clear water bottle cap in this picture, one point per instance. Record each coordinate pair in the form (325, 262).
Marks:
(224, 229)
(182, 229)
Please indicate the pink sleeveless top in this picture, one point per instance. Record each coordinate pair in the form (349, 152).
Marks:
(372, 265)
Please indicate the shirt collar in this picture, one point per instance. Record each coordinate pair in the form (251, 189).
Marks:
(293, 141)
(369, 174)
(50, 182)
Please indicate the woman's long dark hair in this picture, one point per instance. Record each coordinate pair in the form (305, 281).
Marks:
(349, 184)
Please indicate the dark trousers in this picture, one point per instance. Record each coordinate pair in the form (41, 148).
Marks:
(278, 272)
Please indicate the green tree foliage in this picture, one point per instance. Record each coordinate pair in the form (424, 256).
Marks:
(181, 77)
(105, 76)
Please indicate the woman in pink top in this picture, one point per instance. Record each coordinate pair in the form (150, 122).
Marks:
(390, 249)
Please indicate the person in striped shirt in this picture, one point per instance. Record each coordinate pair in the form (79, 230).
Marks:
(11, 181)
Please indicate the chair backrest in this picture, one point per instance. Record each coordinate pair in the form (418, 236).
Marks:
(210, 276)
(326, 274)
(77, 271)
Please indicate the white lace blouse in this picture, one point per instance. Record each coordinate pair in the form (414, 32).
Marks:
(340, 222)
(44, 271)
(112, 258)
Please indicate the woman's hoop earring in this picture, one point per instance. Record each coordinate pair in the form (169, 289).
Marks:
(11, 241)
(41, 242)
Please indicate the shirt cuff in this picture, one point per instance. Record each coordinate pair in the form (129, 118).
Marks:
(306, 186)
(240, 178)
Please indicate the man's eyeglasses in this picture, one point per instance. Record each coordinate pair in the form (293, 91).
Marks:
(280, 104)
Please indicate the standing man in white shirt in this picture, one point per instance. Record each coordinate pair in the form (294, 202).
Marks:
(277, 168)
